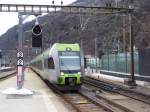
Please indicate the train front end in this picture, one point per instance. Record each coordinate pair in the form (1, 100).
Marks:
(70, 67)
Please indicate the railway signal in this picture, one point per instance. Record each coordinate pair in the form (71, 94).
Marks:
(37, 35)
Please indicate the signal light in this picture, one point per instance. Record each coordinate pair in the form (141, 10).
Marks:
(37, 30)
(36, 36)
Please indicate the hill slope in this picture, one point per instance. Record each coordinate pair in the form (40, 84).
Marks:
(74, 28)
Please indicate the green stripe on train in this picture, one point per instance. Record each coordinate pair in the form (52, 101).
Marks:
(61, 79)
(62, 47)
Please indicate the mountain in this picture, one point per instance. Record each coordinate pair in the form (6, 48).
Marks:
(71, 28)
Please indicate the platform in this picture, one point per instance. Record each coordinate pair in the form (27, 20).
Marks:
(142, 86)
(6, 73)
(43, 100)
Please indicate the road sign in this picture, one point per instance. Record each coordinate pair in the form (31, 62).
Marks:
(20, 54)
(20, 62)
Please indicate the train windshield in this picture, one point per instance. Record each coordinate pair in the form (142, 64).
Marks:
(69, 61)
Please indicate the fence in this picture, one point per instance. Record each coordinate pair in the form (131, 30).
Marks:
(118, 62)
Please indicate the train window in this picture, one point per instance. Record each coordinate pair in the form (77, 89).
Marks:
(85, 62)
(51, 63)
(108, 4)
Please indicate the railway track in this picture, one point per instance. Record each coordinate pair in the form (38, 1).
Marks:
(88, 101)
(80, 102)
(117, 96)
(117, 89)
(104, 102)
(83, 101)
(8, 76)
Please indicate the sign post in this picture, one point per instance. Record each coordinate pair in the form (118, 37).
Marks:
(20, 62)
(20, 54)
(20, 76)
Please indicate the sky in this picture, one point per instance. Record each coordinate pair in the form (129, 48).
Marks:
(8, 20)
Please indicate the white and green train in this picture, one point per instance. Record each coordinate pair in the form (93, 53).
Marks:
(60, 65)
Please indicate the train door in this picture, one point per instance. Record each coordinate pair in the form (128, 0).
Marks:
(52, 76)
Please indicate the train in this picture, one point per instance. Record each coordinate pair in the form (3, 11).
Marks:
(60, 65)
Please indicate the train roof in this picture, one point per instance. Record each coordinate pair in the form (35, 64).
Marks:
(59, 47)
(65, 47)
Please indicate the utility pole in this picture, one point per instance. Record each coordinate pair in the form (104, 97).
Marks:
(124, 41)
(20, 38)
(82, 57)
(131, 47)
(96, 53)
(124, 34)
(20, 61)
(133, 83)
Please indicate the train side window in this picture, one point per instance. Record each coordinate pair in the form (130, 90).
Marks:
(51, 63)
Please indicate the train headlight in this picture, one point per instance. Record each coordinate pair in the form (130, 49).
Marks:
(79, 72)
(62, 73)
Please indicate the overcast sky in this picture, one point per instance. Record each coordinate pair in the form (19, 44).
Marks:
(7, 20)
